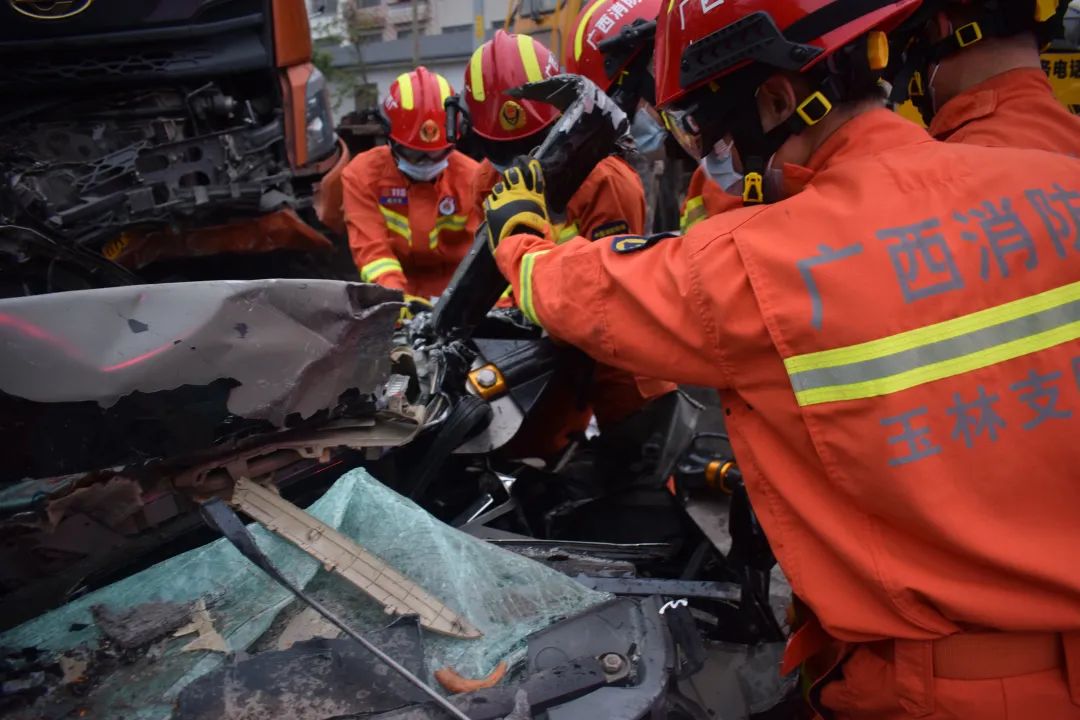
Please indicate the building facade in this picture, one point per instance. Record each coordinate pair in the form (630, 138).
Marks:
(368, 43)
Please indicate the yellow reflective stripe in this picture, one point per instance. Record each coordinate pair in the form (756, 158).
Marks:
(934, 333)
(579, 36)
(942, 370)
(397, 223)
(507, 292)
(444, 88)
(963, 344)
(446, 222)
(526, 302)
(693, 213)
(566, 233)
(528, 58)
(376, 268)
(476, 74)
(405, 89)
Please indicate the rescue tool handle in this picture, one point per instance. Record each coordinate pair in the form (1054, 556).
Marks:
(591, 128)
(473, 290)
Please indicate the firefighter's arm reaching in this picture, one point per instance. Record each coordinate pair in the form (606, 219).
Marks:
(626, 301)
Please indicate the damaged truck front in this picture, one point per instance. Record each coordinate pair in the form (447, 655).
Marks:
(148, 136)
(132, 407)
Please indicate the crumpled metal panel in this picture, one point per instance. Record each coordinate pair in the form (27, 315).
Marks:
(105, 377)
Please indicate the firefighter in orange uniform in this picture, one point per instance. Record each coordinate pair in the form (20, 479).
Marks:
(975, 75)
(612, 45)
(897, 343)
(410, 216)
(611, 201)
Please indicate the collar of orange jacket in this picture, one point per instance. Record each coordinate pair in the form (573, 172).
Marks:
(866, 134)
(980, 100)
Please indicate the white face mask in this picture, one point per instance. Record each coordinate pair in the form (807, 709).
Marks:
(648, 134)
(425, 172)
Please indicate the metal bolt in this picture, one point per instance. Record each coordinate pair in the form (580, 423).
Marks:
(486, 378)
(799, 53)
(611, 662)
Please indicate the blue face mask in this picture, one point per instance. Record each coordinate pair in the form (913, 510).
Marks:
(648, 134)
(422, 172)
(718, 165)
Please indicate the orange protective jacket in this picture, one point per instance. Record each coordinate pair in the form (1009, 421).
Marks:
(704, 198)
(897, 346)
(610, 202)
(1014, 109)
(408, 235)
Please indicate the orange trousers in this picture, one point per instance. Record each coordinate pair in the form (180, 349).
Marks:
(903, 685)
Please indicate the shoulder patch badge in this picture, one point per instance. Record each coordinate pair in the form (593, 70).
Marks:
(629, 243)
(632, 243)
(615, 227)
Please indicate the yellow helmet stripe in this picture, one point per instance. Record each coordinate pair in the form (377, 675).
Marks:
(476, 74)
(405, 88)
(579, 36)
(529, 59)
(444, 88)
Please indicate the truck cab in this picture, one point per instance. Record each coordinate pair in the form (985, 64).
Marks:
(138, 139)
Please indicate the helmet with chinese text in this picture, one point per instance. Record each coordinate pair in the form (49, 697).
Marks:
(604, 20)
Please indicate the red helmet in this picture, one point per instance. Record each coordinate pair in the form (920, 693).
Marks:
(698, 41)
(415, 108)
(504, 62)
(599, 21)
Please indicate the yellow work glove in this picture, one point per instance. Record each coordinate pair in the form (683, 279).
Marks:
(516, 204)
(414, 305)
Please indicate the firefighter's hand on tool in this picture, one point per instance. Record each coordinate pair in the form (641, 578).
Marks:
(516, 204)
(414, 305)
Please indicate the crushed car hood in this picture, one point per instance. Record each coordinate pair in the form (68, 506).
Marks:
(107, 377)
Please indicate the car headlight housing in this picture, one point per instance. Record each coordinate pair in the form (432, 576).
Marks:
(318, 120)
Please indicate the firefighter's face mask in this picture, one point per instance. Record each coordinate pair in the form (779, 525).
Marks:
(648, 132)
(719, 165)
(419, 165)
(932, 96)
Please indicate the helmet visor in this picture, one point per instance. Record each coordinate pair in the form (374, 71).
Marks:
(683, 127)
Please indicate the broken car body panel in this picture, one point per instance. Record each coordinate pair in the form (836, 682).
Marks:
(116, 376)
